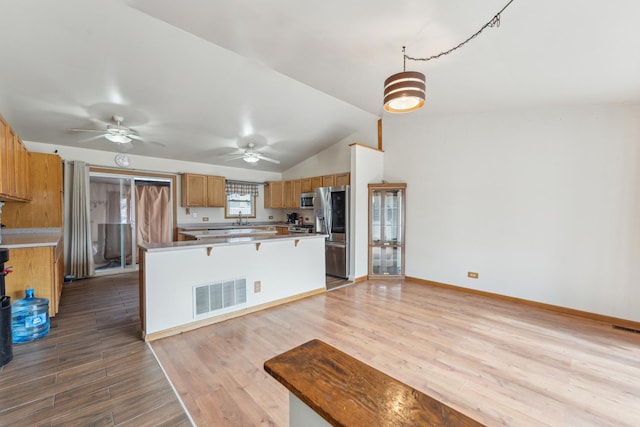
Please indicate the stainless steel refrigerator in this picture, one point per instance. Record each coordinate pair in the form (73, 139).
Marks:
(331, 206)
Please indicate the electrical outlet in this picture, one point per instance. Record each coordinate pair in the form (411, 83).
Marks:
(205, 218)
(270, 216)
(257, 286)
(472, 275)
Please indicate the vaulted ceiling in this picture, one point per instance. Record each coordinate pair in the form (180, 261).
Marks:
(198, 79)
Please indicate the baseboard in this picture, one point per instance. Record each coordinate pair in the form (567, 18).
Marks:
(614, 321)
(360, 279)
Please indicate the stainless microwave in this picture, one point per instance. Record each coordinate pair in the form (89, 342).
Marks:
(306, 200)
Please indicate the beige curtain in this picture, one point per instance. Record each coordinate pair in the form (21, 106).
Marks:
(153, 214)
(81, 255)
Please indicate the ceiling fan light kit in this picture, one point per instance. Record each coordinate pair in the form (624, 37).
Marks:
(251, 156)
(405, 92)
(117, 138)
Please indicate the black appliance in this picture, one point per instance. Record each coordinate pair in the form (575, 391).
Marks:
(6, 338)
(292, 218)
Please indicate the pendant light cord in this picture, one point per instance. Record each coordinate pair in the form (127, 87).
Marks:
(494, 22)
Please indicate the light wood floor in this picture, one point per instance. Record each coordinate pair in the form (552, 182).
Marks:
(498, 362)
(92, 368)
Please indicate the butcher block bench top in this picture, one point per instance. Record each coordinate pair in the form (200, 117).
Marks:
(347, 392)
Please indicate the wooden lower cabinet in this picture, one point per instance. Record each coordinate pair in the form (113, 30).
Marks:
(282, 230)
(40, 268)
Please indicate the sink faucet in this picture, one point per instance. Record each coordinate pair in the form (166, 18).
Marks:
(240, 218)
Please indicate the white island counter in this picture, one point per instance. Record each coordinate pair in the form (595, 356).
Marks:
(186, 285)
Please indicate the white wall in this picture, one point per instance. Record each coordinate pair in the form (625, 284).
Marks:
(543, 204)
(335, 159)
(366, 168)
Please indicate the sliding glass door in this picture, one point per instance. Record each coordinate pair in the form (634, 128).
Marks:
(124, 211)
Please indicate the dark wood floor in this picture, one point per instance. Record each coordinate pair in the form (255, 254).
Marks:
(92, 368)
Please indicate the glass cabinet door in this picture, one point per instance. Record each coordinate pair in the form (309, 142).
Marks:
(386, 229)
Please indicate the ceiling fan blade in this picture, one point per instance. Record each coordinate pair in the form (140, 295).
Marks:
(85, 130)
(134, 136)
(268, 159)
(93, 138)
(234, 158)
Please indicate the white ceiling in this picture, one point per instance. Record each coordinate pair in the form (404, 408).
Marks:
(203, 77)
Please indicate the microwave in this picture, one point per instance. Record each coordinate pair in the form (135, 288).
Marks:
(306, 200)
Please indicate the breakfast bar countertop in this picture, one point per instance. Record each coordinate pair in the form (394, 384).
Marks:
(191, 244)
(29, 237)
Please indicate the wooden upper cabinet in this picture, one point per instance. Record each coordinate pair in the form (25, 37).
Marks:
(305, 185)
(328, 181)
(287, 194)
(316, 182)
(297, 189)
(342, 178)
(194, 190)
(23, 168)
(216, 194)
(45, 210)
(202, 191)
(274, 195)
(14, 165)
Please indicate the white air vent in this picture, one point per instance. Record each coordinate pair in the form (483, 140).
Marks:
(219, 297)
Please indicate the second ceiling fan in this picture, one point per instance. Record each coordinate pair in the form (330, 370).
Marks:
(250, 155)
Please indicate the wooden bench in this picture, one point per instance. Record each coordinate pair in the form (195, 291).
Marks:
(347, 392)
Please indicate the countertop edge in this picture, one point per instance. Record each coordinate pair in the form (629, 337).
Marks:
(215, 242)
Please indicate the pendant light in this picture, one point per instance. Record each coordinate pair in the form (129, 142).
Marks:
(404, 92)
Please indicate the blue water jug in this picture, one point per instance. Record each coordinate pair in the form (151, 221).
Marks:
(29, 318)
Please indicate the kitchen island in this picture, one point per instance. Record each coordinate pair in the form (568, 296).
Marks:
(188, 284)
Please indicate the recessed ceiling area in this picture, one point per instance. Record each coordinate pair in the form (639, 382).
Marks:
(195, 78)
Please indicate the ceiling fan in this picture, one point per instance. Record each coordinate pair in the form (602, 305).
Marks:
(250, 155)
(116, 133)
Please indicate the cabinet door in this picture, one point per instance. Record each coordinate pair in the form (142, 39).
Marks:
(328, 181)
(343, 178)
(3, 157)
(216, 195)
(10, 170)
(305, 185)
(297, 189)
(277, 194)
(287, 194)
(386, 230)
(194, 190)
(45, 181)
(33, 268)
(316, 182)
(22, 162)
(274, 195)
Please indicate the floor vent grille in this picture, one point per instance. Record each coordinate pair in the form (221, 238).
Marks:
(219, 296)
(624, 328)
